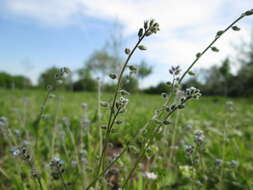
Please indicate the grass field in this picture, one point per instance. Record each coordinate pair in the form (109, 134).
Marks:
(177, 158)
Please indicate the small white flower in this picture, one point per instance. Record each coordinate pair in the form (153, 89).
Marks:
(150, 175)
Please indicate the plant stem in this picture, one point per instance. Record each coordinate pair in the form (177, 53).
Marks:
(147, 142)
(110, 121)
(209, 46)
(106, 169)
(63, 182)
(40, 184)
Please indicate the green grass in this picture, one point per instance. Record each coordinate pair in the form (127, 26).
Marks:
(228, 136)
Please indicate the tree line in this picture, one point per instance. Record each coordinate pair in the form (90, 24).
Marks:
(218, 80)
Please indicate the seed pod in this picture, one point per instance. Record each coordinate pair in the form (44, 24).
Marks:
(140, 33)
(148, 33)
(118, 122)
(236, 28)
(142, 47)
(173, 107)
(104, 104)
(166, 122)
(164, 95)
(180, 106)
(215, 49)
(132, 68)
(198, 55)
(152, 21)
(127, 51)
(113, 76)
(219, 33)
(248, 13)
(191, 73)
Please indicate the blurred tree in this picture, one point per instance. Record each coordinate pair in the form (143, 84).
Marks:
(130, 84)
(100, 64)
(158, 89)
(9, 81)
(5, 80)
(48, 77)
(144, 70)
(85, 82)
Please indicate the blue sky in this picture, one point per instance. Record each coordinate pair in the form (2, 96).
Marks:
(35, 35)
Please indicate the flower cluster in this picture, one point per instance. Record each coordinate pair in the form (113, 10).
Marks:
(22, 152)
(121, 104)
(192, 92)
(199, 138)
(57, 169)
(174, 70)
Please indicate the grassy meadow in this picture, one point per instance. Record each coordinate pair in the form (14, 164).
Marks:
(225, 160)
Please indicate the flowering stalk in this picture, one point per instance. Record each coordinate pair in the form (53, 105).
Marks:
(149, 140)
(218, 35)
(149, 28)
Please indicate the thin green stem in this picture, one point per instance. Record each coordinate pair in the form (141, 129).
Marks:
(209, 46)
(110, 121)
(63, 182)
(147, 142)
(40, 184)
(106, 169)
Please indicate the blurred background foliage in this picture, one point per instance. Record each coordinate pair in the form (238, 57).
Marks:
(218, 80)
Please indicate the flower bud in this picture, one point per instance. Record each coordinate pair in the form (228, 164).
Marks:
(140, 33)
(146, 25)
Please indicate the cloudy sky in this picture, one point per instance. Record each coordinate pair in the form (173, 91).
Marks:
(37, 34)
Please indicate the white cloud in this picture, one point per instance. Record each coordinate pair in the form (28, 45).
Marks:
(186, 26)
